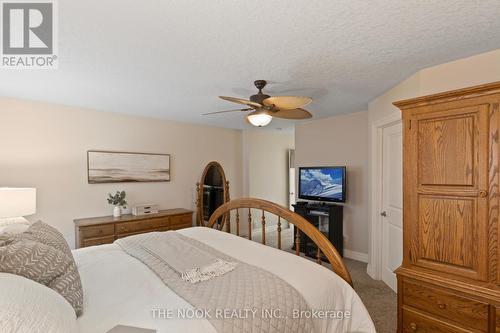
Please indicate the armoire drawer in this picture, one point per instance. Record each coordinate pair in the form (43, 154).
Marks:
(415, 322)
(464, 311)
(497, 319)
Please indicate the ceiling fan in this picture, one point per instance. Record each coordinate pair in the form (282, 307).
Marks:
(264, 107)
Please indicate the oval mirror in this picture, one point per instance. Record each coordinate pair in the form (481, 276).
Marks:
(213, 191)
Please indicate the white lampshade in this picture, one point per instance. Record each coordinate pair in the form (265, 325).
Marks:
(16, 202)
(259, 118)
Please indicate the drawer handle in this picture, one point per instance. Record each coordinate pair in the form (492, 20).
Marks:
(100, 231)
(413, 327)
(442, 306)
(483, 194)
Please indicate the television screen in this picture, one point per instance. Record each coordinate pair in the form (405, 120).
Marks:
(322, 183)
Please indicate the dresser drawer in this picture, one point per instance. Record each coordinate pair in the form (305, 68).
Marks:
(446, 305)
(181, 221)
(97, 231)
(415, 322)
(162, 229)
(143, 225)
(98, 241)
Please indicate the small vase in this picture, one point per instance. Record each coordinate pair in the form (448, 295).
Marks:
(117, 211)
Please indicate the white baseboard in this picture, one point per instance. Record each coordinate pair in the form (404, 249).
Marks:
(370, 272)
(359, 256)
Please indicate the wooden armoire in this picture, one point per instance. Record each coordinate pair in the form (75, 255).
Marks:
(450, 277)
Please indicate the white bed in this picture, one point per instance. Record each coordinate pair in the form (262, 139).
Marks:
(119, 289)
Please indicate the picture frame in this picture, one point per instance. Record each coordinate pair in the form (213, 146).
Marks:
(127, 167)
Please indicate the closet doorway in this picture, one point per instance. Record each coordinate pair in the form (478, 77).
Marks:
(387, 201)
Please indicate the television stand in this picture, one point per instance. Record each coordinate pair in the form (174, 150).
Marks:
(328, 218)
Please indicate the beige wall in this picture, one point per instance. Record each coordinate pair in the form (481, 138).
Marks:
(341, 140)
(265, 164)
(479, 69)
(467, 72)
(265, 158)
(44, 146)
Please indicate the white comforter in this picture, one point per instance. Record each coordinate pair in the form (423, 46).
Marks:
(119, 289)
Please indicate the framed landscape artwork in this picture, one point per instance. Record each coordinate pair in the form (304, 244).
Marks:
(124, 167)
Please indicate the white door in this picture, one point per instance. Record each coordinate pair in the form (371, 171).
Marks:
(291, 187)
(392, 202)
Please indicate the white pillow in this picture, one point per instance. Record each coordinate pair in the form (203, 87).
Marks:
(16, 225)
(14, 229)
(29, 307)
(13, 220)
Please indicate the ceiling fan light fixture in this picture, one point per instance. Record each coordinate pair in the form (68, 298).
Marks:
(268, 107)
(259, 118)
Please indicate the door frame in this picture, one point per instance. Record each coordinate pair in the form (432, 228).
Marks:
(374, 268)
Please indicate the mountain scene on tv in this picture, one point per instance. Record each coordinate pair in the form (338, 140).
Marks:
(325, 183)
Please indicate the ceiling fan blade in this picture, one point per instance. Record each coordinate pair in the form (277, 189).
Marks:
(292, 114)
(241, 101)
(287, 102)
(208, 113)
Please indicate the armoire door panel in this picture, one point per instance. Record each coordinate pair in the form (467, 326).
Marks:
(447, 150)
(447, 230)
(450, 204)
(494, 231)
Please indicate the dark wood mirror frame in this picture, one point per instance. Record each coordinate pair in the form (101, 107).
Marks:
(201, 220)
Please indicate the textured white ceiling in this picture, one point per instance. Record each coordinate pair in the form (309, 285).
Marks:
(172, 58)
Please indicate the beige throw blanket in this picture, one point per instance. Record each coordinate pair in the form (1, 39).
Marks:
(246, 299)
(192, 264)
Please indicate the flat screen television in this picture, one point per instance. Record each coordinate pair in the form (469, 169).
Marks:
(323, 183)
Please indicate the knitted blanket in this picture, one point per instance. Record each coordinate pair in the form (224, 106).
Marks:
(245, 299)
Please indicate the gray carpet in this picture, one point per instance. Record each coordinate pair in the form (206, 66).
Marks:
(378, 298)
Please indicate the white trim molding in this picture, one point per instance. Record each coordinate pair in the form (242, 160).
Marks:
(374, 269)
(358, 256)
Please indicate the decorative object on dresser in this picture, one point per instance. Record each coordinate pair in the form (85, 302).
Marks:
(145, 209)
(450, 276)
(124, 167)
(212, 192)
(118, 201)
(106, 229)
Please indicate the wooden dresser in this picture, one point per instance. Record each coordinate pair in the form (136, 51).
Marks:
(106, 229)
(450, 277)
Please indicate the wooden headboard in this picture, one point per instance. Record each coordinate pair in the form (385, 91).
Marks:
(247, 204)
